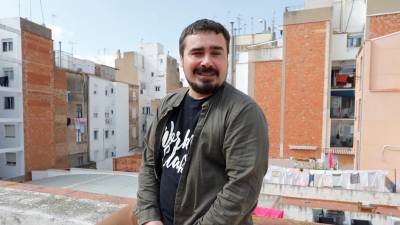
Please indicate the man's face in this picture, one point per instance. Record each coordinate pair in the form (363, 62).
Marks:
(205, 62)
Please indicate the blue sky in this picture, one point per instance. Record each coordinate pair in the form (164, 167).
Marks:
(95, 29)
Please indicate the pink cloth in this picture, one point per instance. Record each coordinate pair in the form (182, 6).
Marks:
(330, 158)
(268, 212)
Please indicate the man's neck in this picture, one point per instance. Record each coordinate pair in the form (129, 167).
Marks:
(198, 96)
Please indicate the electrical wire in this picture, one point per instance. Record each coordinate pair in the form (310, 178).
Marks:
(348, 20)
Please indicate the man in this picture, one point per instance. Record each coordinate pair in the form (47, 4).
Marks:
(207, 149)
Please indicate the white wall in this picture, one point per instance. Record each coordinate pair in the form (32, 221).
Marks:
(10, 29)
(101, 104)
(340, 51)
(121, 119)
(12, 171)
(242, 73)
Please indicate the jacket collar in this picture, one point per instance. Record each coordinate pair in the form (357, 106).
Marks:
(214, 98)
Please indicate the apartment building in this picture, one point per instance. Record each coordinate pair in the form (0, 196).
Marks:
(305, 82)
(377, 124)
(29, 95)
(108, 121)
(127, 68)
(156, 75)
(11, 102)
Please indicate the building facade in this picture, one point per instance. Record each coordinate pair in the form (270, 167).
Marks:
(108, 121)
(12, 162)
(156, 75)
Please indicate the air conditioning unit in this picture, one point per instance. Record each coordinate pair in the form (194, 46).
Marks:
(360, 222)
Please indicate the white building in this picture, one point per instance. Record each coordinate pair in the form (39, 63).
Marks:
(11, 100)
(158, 76)
(108, 121)
(65, 60)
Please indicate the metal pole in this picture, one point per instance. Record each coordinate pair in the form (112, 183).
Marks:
(232, 54)
(59, 44)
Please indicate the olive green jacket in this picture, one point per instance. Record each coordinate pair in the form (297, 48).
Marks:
(225, 166)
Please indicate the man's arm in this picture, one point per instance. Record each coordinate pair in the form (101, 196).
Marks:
(246, 156)
(148, 193)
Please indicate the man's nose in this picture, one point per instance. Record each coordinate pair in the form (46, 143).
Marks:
(206, 61)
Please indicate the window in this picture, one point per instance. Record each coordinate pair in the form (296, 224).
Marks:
(157, 88)
(152, 74)
(11, 159)
(146, 110)
(78, 110)
(112, 90)
(95, 115)
(112, 132)
(7, 45)
(144, 127)
(112, 154)
(161, 61)
(106, 114)
(106, 134)
(106, 92)
(9, 131)
(79, 136)
(8, 74)
(95, 134)
(112, 112)
(354, 41)
(8, 102)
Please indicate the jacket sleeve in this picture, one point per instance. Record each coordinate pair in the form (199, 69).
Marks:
(148, 191)
(246, 156)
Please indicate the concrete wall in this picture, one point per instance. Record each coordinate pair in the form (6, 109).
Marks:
(378, 145)
(297, 202)
(267, 94)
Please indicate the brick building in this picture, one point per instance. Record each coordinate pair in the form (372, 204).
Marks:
(307, 92)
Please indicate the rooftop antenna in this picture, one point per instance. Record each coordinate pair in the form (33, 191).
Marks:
(72, 47)
(239, 23)
(252, 24)
(30, 8)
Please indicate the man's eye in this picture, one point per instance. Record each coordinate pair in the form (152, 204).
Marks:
(197, 53)
(216, 53)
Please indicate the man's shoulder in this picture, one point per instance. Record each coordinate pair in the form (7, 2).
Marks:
(236, 98)
(173, 98)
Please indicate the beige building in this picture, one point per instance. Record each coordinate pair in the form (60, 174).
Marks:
(127, 70)
(377, 124)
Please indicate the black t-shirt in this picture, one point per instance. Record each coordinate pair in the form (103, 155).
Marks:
(176, 139)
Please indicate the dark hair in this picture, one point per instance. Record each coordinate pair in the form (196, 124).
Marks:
(203, 25)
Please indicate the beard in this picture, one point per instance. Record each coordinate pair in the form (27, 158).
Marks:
(206, 86)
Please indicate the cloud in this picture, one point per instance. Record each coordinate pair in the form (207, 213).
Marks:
(61, 34)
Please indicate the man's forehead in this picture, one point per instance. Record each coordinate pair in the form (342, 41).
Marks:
(205, 40)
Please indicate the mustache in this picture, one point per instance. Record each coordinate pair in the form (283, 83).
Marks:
(200, 70)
